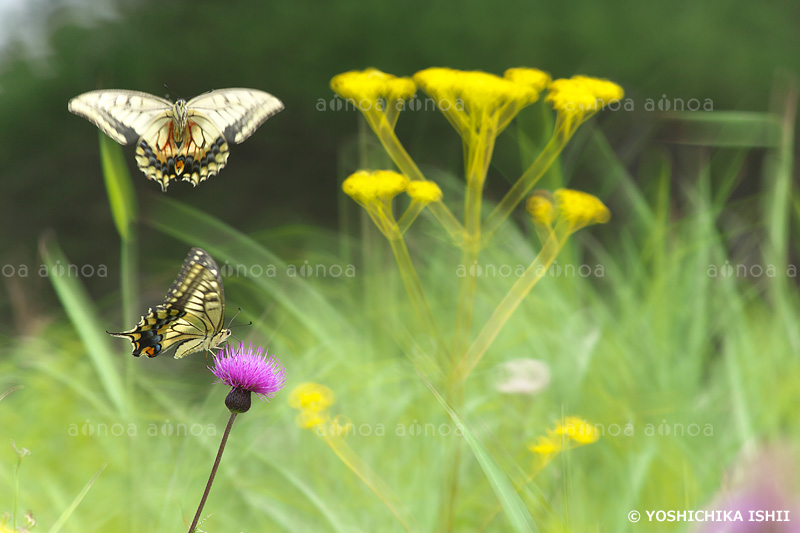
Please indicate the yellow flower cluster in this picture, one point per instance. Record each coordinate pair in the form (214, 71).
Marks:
(538, 80)
(580, 209)
(366, 87)
(313, 401)
(366, 187)
(475, 101)
(574, 209)
(569, 433)
(374, 191)
(541, 208)
(579, 97)
(424, 192)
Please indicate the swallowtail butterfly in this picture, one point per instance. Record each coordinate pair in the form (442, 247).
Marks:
(184, 140)
(191, 317)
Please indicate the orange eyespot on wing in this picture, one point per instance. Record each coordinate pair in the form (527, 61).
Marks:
(149, 351)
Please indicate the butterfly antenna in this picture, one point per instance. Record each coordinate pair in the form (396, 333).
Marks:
(234, 317)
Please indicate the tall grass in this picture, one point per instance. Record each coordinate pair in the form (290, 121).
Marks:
(684, 366)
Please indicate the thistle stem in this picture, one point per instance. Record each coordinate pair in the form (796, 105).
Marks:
(213, 472)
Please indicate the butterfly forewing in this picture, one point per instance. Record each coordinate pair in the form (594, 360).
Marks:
(237, 112)
(191, 317)
(122, 115)
(187, 141)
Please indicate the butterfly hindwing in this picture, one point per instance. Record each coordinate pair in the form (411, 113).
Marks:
(191, 317)
(202, 152)
(184, 140)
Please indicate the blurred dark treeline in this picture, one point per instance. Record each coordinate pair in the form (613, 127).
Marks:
(289, 171)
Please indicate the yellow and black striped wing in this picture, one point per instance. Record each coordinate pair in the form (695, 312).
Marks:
(191, 317)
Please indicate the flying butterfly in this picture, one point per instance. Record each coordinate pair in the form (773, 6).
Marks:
(184, 140)
(190, 319)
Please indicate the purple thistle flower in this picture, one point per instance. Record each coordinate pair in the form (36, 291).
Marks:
(246, 371)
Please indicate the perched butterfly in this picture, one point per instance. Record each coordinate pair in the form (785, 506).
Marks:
(190, 319)
(186, 140)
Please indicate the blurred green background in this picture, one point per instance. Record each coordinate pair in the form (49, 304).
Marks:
(282, 187)
(727, 52)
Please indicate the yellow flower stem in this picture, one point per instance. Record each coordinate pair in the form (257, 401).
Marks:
(517, 293)
(414, 287)
(479, 153)
(392, 112)
(524, 184)
(411, 214)
(386, 225)
(371, 480)
(385, 132)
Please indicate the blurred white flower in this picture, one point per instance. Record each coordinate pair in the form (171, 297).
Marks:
(522, 376)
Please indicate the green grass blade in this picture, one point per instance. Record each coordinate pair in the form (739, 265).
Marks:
(129, 287)
(724, 128)
(326, 511)
(515, 510)
(78, 499)
(79, 309)
(118, 185)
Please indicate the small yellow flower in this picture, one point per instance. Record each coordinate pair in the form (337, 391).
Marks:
(571, 432)
(605, 91)
(571, 97)
(577, 430)
(370, 186)
(424, 192)
(579, 209)
(308, 419)
(545, 446)
(311, 397)
(532, 77)
(578, 98)
(313, 401)
(541, 208)
(366, 87)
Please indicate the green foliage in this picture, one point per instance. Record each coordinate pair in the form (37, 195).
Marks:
(661, 343)
(680, 344)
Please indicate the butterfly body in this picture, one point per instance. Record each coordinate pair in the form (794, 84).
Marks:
(181, 140)
(191, 317)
